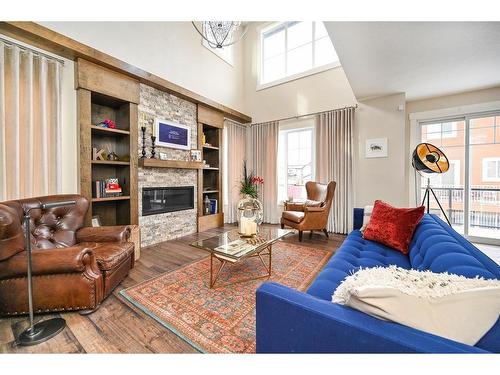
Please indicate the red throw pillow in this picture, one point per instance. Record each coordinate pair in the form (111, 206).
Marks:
(393, 226)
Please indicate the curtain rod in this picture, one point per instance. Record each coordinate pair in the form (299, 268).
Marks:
(36, 52)
(307, 115)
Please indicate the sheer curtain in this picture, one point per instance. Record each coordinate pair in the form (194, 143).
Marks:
(334, 155)
(30, 124)
(264, 141)
(235, 139)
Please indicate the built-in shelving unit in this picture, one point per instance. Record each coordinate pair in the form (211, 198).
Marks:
(103, 94)
(210, 135)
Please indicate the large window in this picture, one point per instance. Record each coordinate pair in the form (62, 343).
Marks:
(293, 49)
(295, 160)
(470, 190)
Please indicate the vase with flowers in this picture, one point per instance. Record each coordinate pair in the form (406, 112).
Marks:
(250, 212)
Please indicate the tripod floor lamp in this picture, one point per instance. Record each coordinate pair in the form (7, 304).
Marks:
(428, 159)
(42, 331)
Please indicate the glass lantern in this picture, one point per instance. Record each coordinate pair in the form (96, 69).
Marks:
(249, 216)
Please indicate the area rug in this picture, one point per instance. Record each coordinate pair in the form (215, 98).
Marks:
(221, 320)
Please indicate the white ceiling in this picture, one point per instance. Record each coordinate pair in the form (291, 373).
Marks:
(422, 59)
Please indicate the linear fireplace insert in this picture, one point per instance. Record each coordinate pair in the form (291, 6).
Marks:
(159, 200)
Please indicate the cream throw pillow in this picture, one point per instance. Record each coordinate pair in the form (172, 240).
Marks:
(367, 214)
(446, 305)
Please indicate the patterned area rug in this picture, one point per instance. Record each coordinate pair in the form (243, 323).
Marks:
(222, 320)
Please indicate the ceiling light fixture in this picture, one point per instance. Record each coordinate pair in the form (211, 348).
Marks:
(220, 34)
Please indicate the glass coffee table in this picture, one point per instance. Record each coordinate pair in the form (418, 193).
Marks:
(232, 248)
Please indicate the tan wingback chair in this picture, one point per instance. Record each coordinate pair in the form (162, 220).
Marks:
(313, 213)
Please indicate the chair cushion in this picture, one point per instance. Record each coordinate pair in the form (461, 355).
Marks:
(110, 255)
(354, 253)
(294, 216)
(393, 226)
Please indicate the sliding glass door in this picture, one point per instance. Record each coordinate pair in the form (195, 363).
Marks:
(470, 191)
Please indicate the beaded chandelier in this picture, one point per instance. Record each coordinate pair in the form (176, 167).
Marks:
(220, 34)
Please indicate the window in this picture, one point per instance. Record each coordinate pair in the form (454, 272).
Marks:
(291, 50)
(441, 130)
(295, 160)
(491, 169)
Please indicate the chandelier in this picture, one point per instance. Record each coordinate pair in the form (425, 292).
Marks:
(220, 34)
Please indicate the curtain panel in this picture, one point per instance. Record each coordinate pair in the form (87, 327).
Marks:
(334, 162)
(30, 124)
(264, 141)
(235, 140)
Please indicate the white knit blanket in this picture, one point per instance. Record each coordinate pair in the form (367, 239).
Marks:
(452, 306)
(422, 284)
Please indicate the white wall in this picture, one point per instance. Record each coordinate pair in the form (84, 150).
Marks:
(319, 92)
(171, 50)
(381, 178)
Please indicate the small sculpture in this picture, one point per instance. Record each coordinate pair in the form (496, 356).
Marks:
(153, 139)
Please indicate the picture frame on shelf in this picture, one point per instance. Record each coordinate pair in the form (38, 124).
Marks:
(96, 221)
(196, 155)
(172, 134)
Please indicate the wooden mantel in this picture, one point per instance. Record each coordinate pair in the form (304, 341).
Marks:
(157, 163)
(59, 44)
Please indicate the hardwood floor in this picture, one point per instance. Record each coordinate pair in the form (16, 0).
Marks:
(117, 326)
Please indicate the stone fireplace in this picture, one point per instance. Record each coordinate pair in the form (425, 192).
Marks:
(159, 200)
(170, 223)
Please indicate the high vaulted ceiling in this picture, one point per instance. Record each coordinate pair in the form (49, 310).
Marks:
(421, 59)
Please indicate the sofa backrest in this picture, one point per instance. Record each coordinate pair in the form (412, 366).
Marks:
(51, 228)
(438, 248)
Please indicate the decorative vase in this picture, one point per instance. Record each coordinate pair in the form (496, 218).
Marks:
(249, 216)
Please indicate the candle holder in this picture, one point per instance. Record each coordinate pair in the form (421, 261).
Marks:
(153, 139)
(143, 129)
(249, 216)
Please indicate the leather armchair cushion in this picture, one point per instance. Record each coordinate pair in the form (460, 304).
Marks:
(47, 262)
(119, 233)
(110, 255)
(294, 216)
(312, 203)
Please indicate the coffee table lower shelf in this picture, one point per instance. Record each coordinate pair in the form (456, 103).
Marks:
(266, 251)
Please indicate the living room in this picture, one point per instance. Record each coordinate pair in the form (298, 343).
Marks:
(249, 187)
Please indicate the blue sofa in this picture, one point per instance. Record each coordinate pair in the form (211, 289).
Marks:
(289, 321)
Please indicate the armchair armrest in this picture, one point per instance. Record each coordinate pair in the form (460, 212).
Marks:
(314, 209)
(291, 321)
(120, 233)
(291, 206)
(49, 261)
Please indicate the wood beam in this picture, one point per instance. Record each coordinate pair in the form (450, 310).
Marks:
(59, 44)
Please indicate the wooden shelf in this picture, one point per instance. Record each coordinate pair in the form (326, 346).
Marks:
(210, 191)
(211, 169)
(210, 147)
(157, 163)
(108, 131)
(109, 199)
(110, 162)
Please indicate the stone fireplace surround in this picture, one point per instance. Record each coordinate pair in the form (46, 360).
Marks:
(166, 226)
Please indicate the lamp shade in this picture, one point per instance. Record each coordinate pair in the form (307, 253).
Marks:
(429, 159)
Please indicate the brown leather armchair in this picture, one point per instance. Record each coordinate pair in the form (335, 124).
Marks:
(74, 268)
(313, 213)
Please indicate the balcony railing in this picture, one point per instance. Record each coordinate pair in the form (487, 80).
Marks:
(488, 216)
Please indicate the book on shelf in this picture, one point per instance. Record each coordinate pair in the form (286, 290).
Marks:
(106, 188)
(213, 206)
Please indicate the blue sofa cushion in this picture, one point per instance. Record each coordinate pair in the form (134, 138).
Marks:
(354, 253)
(438, 248)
